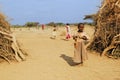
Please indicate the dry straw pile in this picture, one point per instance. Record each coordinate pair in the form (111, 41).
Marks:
(107, 32)
(9, 48)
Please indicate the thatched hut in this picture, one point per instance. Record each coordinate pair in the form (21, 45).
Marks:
(9, 48)
(106, 40)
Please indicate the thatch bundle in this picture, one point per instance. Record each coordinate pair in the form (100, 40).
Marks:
(9, 48)
(107, 32)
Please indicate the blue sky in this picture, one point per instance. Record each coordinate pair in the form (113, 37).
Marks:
(45, 11)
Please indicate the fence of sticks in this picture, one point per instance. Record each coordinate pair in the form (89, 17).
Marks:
(10, 50)
(106, 39)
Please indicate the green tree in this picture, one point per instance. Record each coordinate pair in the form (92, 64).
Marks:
(51, 24)
(32, 24)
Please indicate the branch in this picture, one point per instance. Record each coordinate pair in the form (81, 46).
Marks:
(18, 54)
(111, 46)
(118, 4)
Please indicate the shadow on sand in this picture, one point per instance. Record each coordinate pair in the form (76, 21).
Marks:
(68, 59)
(52, 38)
(64, 39)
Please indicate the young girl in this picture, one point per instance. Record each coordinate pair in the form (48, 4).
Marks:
(68, 32)
(80, 37)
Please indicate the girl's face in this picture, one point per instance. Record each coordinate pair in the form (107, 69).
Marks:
(81, 27)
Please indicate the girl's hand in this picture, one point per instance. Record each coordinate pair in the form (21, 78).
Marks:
(75, 38)
(84, 37)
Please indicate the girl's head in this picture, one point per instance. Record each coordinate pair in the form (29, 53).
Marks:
(67, 24)
(80, 27)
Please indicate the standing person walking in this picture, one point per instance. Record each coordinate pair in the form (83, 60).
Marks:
(68, 32)
(43, 26)
(80, 53)
(54, 32)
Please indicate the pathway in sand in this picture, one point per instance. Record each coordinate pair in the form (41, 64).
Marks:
(51, 60)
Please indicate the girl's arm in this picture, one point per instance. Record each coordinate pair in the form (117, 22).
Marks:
(85, 37)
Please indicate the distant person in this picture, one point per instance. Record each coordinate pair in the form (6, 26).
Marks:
(54, 32)
(43, 26)
(68, 32)
(80, 53)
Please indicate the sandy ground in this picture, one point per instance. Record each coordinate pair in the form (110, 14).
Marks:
(52, 60)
